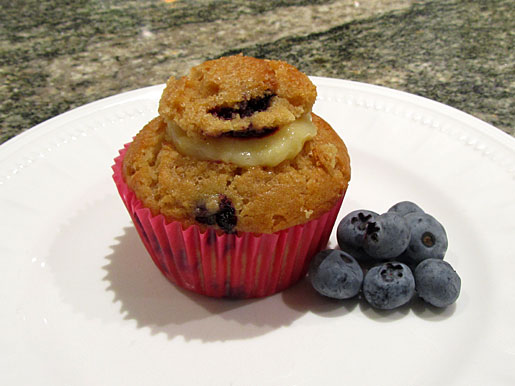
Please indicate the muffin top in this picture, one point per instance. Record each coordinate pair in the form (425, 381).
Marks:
(226, 196)
(237, 96)
(236, 147)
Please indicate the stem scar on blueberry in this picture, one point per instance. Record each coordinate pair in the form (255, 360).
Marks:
(347, 260)
(372, 230)
(363, 220)
(428, 239)
(390, 270)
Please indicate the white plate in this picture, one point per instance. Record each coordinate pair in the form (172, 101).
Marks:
(82, 303)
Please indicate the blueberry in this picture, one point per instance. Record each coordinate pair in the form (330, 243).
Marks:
(387, 236)
(351, 232)
(404, 207)
(245, 108)
(388, 286)
(335, 274)
(224, 216)
(437, 282)
(428, 238)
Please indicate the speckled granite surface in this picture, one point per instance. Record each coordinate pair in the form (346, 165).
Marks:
(57, 55)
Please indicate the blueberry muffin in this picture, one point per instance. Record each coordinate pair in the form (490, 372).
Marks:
(217, 155)
(236, 151)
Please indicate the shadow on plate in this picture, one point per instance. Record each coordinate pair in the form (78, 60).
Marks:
(130, 287)
(416, 306)
(102, 269)
(303, 298)
(147, 297)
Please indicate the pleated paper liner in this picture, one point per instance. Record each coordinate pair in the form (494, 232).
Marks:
(213, 263)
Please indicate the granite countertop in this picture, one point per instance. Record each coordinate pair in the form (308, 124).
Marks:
(57, 55)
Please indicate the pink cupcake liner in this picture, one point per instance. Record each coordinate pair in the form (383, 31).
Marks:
(213, 263)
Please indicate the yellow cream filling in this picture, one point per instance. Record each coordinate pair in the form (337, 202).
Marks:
(271, 150)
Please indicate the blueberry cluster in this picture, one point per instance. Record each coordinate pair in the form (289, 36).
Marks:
(389, 257)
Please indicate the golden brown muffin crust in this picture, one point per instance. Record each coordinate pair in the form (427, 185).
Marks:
(263, 199)
(237, 94)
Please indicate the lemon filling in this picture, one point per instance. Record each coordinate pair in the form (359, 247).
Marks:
(271, 150)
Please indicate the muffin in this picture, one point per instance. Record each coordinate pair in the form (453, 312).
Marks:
(236, 185)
